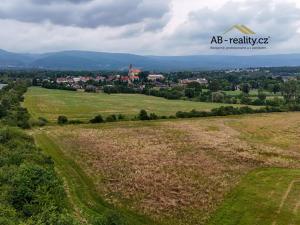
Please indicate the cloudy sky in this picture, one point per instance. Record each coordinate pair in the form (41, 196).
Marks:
(156, 27)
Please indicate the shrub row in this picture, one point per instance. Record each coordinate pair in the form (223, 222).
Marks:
(230, 110)
(221, 111)
(11, 112)
(31, 192)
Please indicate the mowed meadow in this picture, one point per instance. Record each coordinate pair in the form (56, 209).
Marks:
(239, 170)
(50, 104)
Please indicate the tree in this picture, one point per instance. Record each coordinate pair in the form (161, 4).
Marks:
(276, 88)
(189, 92)
(22, 118)
(153, 116)
(2, 111)
(245, 88)
(261, 95)
(143, 115)
(97, 119)
(246, 100)
(195, 85)
(217, 97)
(290, 90)
(214, 85)
(62, 120)
(121, 117)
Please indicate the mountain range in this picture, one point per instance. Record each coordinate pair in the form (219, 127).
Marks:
(85, 60)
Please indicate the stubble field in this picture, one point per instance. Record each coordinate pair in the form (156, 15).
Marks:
(192, 171)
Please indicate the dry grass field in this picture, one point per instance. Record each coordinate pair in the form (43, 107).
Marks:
(180, 171)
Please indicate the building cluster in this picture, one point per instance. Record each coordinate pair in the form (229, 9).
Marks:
(75, 80)
(202, 81)
(155, 77)
(239, 70)
(132, 76)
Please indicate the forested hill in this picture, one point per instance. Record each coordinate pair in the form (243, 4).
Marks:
(83, 60)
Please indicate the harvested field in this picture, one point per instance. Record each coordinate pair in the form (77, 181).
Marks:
(179, 172)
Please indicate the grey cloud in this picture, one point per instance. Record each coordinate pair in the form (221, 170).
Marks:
(88, 13)
(280, 21)
(57, 1)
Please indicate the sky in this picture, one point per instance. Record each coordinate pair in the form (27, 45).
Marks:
(145, 27)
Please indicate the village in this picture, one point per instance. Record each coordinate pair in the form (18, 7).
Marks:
(135, 78)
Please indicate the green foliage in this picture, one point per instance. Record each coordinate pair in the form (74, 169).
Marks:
(261, 95)
(62, 120)
(40, 122)
(290, 91)
(111, 118)
(97, 119)
(214, 85)
(11, 111)
(190, 92)
(275, 88)
(245, 99)
(50, 85)
(143, 115)
(245, 88)
(153, 116)
(275, 101)
(121, 117)
(217, 97)
(230, 110)
(195, 85)
(111, 217)
(31, 192)
(75, 122)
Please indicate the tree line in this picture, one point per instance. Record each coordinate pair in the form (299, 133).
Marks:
(31, 192)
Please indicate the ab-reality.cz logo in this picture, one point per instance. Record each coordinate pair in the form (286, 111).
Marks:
(248, 41)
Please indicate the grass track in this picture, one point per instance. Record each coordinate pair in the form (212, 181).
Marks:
(263, 197)
(83, 196)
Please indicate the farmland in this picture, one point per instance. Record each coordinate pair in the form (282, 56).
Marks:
(83, 106)
(195, 171)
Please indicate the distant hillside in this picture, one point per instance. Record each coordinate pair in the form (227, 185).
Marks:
(83, 60)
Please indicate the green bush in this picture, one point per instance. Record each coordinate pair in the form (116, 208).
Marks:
(121, 117)
(31, 192)
(75, 122)
(111, 118)
(143, 115)
(40, 122)
(97, 119)
(153, 116)
(62, 120)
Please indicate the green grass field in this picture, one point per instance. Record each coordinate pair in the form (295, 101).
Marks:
(264, 197)
(79, 105)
